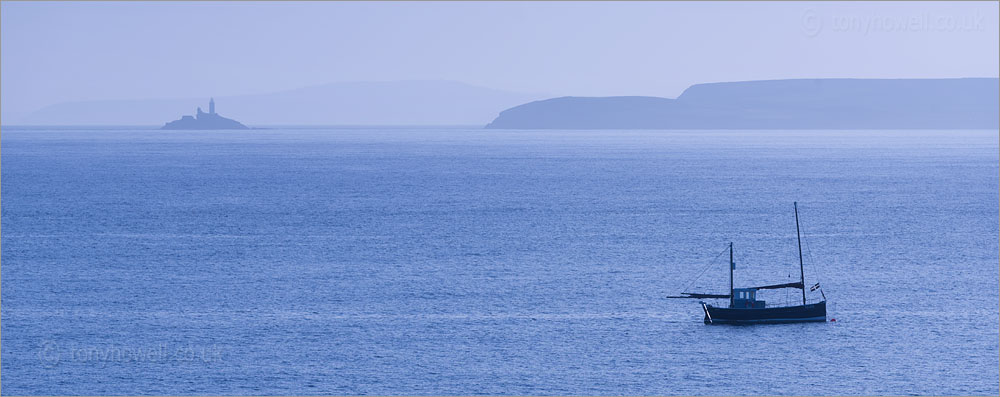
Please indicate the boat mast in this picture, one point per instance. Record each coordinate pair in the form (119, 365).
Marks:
(732, 265)
(802, 273)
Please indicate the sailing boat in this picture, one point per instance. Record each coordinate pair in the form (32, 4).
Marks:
(744, 308)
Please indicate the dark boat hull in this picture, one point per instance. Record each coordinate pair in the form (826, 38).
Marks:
(814, 312)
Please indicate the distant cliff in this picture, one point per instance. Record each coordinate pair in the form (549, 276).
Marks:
(970, 103)
(204, 121)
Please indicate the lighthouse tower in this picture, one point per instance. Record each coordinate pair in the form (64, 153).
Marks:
(211, 105)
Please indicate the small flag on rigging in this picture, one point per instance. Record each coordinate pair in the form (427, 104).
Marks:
(813, 288)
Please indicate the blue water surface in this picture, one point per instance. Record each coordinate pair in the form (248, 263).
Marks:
(466, 261)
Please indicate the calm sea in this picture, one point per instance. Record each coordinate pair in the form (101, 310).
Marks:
(467, 261)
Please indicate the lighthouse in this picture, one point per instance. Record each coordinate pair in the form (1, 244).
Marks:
(205, 121)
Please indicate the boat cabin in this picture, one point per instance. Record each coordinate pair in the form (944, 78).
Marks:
(744, 298)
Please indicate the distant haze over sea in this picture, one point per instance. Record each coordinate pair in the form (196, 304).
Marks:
(967, 103)
(410, 102)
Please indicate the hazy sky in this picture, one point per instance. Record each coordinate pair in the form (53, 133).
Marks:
(63, 51)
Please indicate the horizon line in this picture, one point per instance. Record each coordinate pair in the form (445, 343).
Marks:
(299, 87)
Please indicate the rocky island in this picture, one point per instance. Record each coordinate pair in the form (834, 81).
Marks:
(205, 121)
